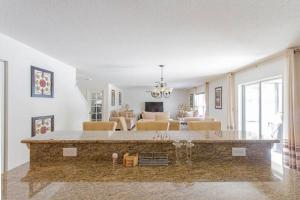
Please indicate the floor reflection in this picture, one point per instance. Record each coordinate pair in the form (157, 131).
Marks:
(201, 171)
(103, 181)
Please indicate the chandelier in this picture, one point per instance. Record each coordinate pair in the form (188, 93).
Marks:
(160, 89)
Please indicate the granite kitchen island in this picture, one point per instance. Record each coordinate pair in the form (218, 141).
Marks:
(98, 146)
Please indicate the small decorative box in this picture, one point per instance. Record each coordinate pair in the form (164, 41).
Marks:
(130, 160)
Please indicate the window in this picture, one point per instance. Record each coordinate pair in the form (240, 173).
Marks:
(96, 103)
(200, 103)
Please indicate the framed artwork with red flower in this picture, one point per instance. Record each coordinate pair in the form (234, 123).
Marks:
(41, 82)
(42, 125)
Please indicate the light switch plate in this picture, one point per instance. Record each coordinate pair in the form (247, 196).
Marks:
(70, 152)
(238, 151)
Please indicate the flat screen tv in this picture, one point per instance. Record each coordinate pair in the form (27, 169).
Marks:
(154, 107)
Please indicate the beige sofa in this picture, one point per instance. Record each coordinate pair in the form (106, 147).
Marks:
(193, 115)
(155, 115)
(173, 125)
(129, 117)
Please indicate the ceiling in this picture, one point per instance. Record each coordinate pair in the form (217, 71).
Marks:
(122, 42)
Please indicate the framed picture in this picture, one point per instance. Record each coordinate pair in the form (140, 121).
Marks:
(42, 84)
(218, 98)
(113, 97)
(120, 98)
(191, 100)
(42, 125)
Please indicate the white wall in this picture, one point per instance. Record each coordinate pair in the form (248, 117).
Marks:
(197, 89)
(88, 87)
(268, 69)
(117, 90)
(271, 68)
(68, 105)
(136, 98)
(2, 113)
(218, 114)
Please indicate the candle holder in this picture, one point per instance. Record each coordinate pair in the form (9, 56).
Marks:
(114, 157)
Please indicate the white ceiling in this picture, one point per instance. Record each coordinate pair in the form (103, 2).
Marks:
(123, 41)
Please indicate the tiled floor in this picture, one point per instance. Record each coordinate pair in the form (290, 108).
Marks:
(103, 181)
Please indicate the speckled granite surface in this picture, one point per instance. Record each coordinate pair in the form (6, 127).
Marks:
(202, 180)
(48, 152)
(148, 136)
(214, 174)
(100, 145)
(200, 171)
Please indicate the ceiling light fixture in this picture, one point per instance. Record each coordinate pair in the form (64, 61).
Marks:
(160, 89)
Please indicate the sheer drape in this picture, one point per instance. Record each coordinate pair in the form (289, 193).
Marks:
(292, 112)
(206, 100)
(230, 102)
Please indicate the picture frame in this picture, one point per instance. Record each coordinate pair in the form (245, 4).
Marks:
(191, 100)
(120, 98)
(218, 98)
(42, 83)
(113, 97)
(42, 125)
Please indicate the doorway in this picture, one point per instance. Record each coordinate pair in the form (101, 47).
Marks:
(262, 112)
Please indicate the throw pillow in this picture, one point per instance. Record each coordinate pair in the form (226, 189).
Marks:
(188, 114)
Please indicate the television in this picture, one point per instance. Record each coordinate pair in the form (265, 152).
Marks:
(154, 107)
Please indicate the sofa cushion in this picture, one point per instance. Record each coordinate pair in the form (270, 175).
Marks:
(148, 115)
(156, 115)
(189, 114)
(165, 116)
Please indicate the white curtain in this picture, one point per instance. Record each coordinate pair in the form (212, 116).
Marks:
(230, 102)
(206, 100)
(292, 111)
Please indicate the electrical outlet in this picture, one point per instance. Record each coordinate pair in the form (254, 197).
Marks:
(70, 152)
(238, 151)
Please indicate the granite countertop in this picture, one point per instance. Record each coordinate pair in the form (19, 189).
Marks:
(148, 137)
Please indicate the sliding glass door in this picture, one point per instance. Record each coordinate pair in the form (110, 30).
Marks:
(271, 111)
(251, 110)
(262, 110)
